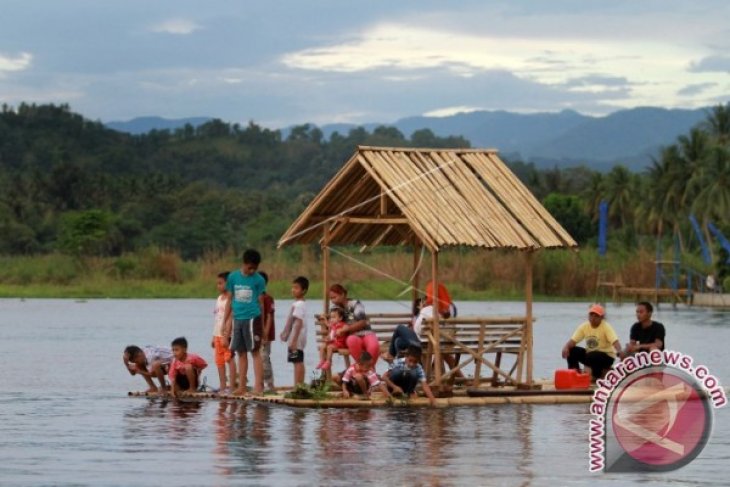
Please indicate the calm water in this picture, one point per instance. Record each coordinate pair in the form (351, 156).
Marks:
(65, 418)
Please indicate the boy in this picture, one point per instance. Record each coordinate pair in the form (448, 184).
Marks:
(185, 369)
(360, 377)
(269, 335)
(295, 331)
(219, 343)
(245, 289)
(405, 373)
(148, 362)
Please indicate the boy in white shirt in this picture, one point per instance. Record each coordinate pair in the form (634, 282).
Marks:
(295, 331)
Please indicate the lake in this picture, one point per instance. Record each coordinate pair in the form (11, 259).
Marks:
(65, 418)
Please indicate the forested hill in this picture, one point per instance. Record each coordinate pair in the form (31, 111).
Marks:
(70, 184)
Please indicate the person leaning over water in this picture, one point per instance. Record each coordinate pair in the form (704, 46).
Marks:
(646, 334)
(359, 334)
(602, 344)
(149, 362)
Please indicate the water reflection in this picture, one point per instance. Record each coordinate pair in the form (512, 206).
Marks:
(248, 438)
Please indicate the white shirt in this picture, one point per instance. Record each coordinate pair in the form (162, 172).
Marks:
(425, 314)
(298, 311)
(219, 313)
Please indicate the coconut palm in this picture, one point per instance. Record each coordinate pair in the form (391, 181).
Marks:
(718, 123)
(620, 188)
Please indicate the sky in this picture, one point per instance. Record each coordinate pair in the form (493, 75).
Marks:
(279, 63)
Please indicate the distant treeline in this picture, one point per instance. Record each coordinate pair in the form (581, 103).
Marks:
(72, 185)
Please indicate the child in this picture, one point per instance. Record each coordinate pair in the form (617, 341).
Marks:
(245, 290)
(268, 336)
(334, 341)
(360, 378)
(295, 331)
(405, 373)
(185, 369)
(219, 342)
(148, 362)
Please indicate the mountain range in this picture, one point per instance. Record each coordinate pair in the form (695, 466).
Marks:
(567, 138)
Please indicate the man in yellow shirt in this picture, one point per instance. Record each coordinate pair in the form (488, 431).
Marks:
(602, 344)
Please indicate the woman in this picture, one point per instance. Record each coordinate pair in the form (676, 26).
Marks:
(359, 334)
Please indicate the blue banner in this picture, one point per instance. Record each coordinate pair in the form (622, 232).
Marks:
(703, 244)
(720, 238)
(602, 227)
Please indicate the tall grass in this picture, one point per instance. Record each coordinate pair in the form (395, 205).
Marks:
(469, 273)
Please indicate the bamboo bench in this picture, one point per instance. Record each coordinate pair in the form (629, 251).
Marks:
(475, 338)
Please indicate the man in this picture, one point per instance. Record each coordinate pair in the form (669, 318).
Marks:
(646, 334)
(602, 344)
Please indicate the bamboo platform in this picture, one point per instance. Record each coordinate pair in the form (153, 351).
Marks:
(461, 398)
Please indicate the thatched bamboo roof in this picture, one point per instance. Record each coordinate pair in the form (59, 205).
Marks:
(438, 197)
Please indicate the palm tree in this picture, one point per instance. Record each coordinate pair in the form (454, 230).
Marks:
(593, 195)
(619, 193)
(718, 123)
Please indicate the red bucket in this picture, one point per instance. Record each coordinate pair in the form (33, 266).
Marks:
(571, 379)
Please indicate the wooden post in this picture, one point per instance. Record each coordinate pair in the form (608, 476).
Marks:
(528, 314)
(383, 203)
(436, 327)
(326, 269)
(416, 257)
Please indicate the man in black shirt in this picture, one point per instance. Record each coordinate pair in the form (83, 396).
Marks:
(646, 334)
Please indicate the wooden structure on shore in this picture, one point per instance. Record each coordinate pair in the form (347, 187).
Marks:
(438, 198)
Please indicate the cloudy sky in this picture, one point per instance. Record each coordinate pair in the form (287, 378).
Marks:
(285, 62)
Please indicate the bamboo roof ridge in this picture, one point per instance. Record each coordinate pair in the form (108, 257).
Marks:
(436, 197)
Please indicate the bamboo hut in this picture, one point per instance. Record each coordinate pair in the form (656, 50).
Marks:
(436, 198)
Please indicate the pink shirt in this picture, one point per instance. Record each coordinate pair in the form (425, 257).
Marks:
(369, 374)
(195, 360)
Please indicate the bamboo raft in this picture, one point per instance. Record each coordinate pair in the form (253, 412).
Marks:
(461, 397)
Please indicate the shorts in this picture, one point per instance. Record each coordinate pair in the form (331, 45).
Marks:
(353, 387)
(295, 357)
(247, 335)
(182, 380)
(223, 354)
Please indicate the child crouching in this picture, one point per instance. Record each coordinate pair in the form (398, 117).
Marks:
(360, 378)
(405, 374)
(185, 369)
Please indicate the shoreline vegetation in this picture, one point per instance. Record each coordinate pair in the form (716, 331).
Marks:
(474, 275)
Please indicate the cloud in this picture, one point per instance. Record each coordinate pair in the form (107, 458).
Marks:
(449, 111)
(711, 64)
(176, 26)
(18, 63)
(695, 89)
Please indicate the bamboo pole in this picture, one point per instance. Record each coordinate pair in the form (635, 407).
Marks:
(326, 269)
(528, 314)
(436, 333)
(416, 259)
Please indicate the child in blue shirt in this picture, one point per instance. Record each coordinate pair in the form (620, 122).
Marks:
(246, 289)
(405, 374)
